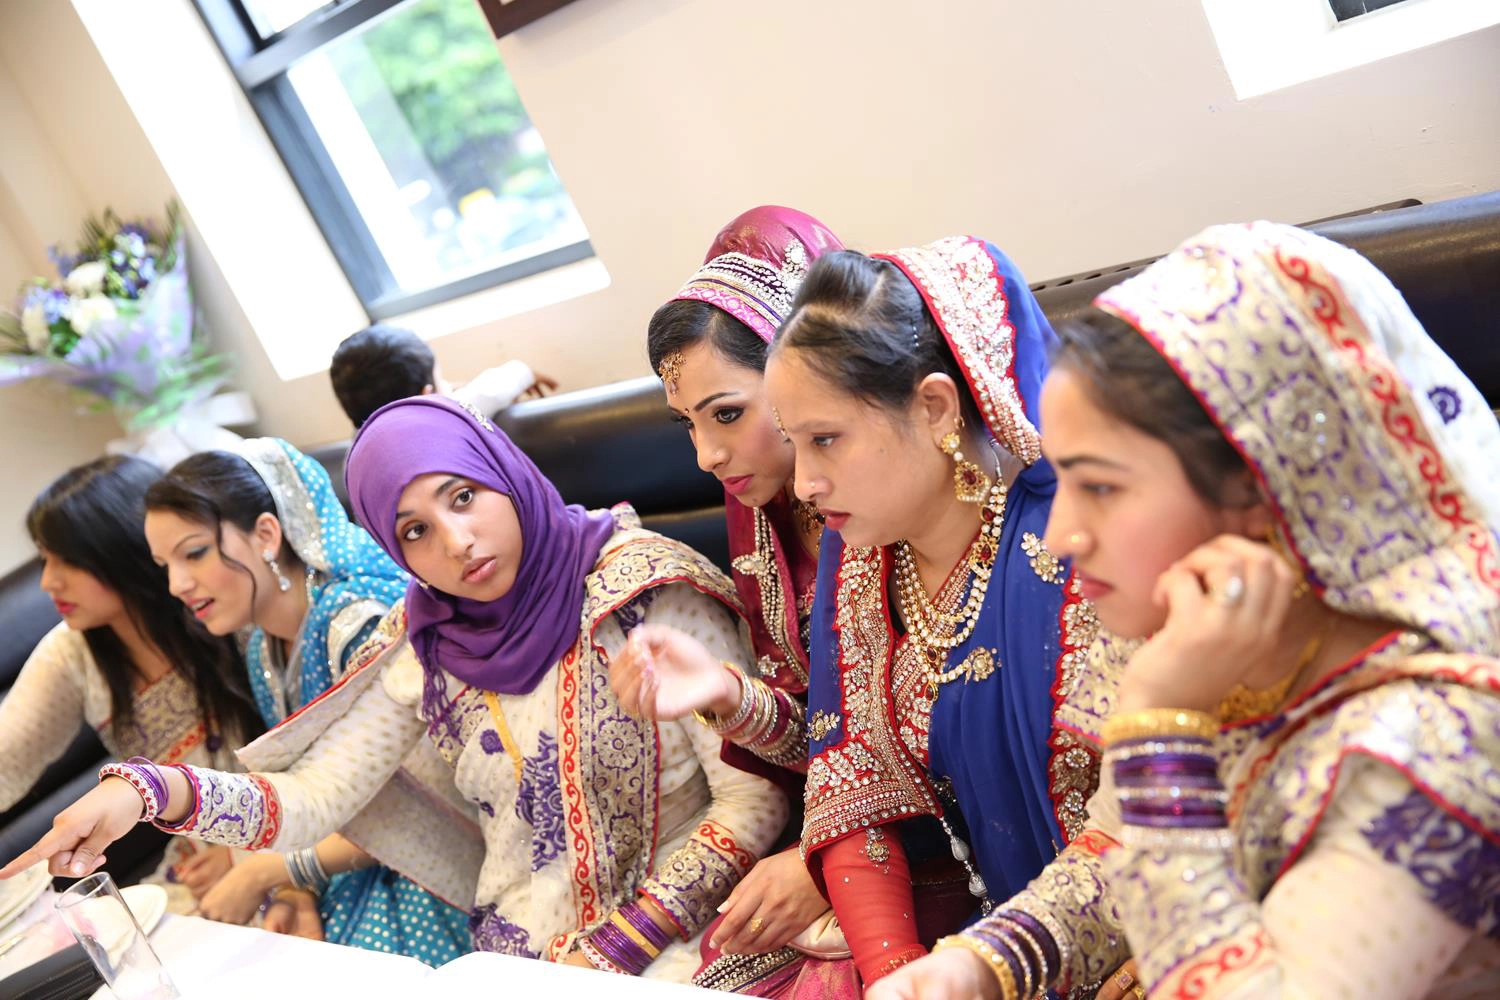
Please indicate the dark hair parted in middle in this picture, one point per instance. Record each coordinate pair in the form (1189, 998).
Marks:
(1127, 378)
(682, 323)
(91, 518)
(860, 323)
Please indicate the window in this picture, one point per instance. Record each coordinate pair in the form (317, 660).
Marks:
(407, 139)
(1270, 44)
(1343, 10)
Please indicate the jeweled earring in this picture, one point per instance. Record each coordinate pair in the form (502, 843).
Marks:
(970, 484)
(282, 583)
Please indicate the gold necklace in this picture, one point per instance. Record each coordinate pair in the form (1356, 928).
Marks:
(935, 632)
(1243, 703)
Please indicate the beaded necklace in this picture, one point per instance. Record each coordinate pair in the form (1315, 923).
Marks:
(931, 630)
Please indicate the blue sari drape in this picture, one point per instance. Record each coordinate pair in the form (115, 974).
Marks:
(992, 739)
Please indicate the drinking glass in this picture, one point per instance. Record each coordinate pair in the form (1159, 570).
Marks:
(93, 910)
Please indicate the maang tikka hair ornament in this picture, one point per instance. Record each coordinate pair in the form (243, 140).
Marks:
(670, 370)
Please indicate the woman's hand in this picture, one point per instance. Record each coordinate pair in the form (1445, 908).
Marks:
(75, 845)
(1122, 985)
(663, 674)
(952, 972)
(235, 897)
(1226, 602)
(770, 906)
(295, 912)
(204, 869)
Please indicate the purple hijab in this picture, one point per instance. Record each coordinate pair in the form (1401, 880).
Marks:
(506, 645)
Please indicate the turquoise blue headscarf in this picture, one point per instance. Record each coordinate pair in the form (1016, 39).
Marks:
(373, 908)
(350, 566)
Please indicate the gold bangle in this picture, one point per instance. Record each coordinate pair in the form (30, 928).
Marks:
(626, 928)
(991, 958)
(747, 703)
(1165, 722)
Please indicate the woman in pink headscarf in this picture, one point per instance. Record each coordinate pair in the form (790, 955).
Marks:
(708, 345)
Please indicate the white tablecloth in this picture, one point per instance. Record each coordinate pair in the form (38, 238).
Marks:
(213, 961)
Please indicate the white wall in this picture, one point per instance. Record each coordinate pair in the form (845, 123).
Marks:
(1073, 133)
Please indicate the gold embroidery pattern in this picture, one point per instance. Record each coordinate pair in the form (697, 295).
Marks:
(876, 849)
(762, 567)
(1043, 563)
(1428, 714)
(606, 749)
(1073, 766)
(866, 779)
(822, 724)
(963, 283)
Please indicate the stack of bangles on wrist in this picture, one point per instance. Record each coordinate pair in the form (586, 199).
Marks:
(625, 943)
(306, 871)
(1019, 951)
(1166, 773)
(763, 723)
(146, 778)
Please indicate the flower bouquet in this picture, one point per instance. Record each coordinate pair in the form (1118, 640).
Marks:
(119, 326)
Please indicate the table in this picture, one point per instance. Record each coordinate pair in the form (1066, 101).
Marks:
(228, 962)
(214, 961)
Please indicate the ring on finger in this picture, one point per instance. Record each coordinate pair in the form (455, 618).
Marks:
(1139, 991)
(1124, 980)
(1231, 593)
(757, 925)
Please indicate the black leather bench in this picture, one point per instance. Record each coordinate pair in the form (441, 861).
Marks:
(616, 442)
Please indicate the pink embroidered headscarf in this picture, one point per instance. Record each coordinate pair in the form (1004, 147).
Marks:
(756, 263)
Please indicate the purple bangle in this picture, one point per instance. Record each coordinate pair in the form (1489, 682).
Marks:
(619, 949)
(1051, 955)
(148, 770)
(637, 917)
(1167, 763)
(1172, 807)
(190, 820)
(1215, 821)
(1008, 950)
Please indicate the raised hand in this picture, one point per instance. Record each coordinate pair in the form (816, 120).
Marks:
(661, 673)
(1226, 603)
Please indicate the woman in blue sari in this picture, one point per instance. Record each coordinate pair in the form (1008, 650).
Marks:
(259, 541)
(944, 633)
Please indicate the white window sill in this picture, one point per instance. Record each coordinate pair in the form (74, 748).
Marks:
(480, 309)
(1270, 44)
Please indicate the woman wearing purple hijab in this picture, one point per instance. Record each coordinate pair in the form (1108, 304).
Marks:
(500, 653)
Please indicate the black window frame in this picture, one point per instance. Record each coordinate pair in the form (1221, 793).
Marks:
(1348, 10)
(260, 64)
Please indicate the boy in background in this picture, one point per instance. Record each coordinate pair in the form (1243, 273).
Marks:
(381, 364)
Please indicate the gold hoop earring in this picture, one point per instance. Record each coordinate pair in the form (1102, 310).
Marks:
(970, 484)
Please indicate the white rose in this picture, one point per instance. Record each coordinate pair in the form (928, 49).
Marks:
(34, 325)
(86, 279)
(89, 312)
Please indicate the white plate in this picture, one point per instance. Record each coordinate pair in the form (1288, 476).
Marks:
(19, 892)
(147, 902)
